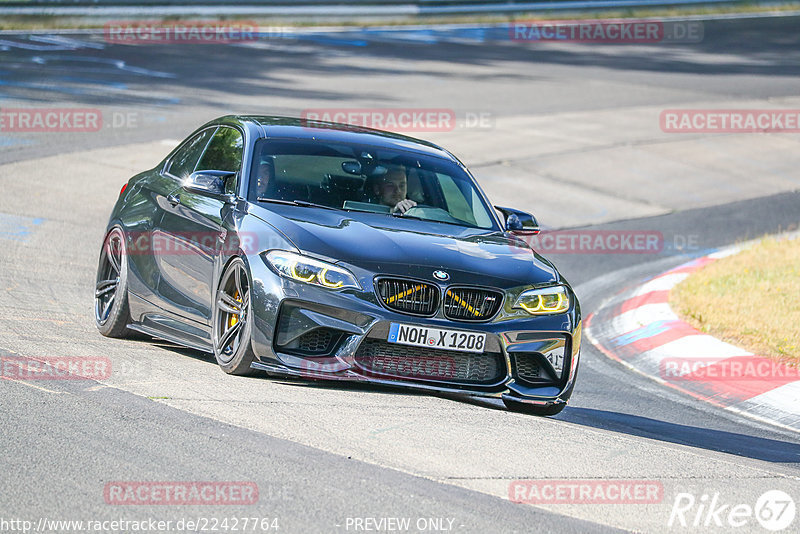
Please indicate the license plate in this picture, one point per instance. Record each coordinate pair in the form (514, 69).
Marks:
(436, 338)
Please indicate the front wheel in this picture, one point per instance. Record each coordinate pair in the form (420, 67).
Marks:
(232, 321)
(534, 409)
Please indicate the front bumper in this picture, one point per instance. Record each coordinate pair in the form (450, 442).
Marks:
(533, 358)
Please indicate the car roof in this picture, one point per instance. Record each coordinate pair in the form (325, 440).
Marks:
(278, 127)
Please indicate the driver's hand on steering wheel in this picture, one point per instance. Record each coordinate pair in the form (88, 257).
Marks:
(403, 206)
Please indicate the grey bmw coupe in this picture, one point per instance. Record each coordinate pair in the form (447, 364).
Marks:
(326, 251)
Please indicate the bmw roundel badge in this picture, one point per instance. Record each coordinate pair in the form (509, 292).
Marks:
(441, 275)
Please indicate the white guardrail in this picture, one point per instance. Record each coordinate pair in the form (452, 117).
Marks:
(318, 8)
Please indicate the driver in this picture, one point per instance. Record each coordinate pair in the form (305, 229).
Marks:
(391, 189)
(264, 176)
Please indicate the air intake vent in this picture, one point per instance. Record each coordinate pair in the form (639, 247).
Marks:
(528, 367)
(471, 304)
(408, 296)
(421, 363)
(318, 341)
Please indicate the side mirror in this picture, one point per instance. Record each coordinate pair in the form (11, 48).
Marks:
(210, 183)
(519, 222)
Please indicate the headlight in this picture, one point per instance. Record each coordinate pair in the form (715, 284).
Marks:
(311, 271)
(544, 300)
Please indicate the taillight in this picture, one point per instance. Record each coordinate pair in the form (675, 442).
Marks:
(124, 187)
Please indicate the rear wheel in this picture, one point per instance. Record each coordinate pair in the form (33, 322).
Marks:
(534, 409)
(111, 311)
(232, 321)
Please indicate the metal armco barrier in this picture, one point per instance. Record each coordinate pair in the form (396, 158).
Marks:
(321, 7)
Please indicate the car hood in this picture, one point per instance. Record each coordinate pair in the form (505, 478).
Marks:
(392, 245)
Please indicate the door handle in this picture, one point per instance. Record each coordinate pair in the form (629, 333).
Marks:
(174, 199)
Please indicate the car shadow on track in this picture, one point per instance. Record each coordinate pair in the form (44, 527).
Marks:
(312, 383)
(769, 450)
(387, 389)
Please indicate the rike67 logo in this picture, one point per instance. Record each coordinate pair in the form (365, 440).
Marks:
(774, 511)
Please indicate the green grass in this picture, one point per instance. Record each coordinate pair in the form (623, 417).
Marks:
(751, 299)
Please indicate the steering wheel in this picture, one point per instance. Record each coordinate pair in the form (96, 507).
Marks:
(421, 208)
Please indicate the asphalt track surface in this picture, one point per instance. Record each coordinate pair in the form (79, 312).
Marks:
(325, 455)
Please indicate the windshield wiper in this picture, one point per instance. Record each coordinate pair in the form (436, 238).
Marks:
(402, 216)
(303, 203)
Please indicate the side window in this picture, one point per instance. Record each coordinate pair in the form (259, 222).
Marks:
(224, 153)
(183, 162)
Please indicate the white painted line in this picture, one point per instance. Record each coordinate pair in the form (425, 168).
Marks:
(724, 253)
(681, 368)
(40, 388)
(662, 283)
(642, 316)
(703, 346)
(706, 349)
(784, 398)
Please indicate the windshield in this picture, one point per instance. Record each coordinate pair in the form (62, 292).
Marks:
(364, 178)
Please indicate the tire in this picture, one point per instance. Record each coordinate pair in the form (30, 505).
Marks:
(533, 409)
(231, 323)
(111, 310)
